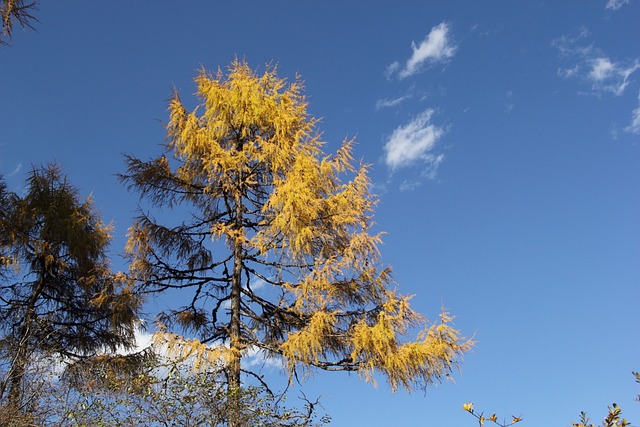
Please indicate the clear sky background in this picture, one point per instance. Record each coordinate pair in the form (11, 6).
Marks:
(505, 143)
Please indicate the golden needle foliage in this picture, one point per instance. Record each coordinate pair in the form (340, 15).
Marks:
(12, 11)
(264, 204)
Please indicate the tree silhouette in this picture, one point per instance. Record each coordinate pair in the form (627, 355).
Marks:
(57, 293)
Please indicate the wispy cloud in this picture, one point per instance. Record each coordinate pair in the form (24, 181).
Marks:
(414, 143)
(616, 4)
(634, 126)
(609, 76)
(437, 47)
(16, 170)
(601, 69)
(409, 185)
(574, 45)
(591, 65)
(387, 103)
(509, 103)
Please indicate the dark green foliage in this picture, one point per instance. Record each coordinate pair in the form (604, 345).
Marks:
(58, 296)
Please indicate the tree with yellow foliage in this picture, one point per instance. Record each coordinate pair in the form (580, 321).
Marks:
(262, 205)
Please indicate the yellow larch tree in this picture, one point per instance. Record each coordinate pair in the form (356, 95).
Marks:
(263, 205)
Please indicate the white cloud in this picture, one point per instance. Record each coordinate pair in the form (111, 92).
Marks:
(391, 69)
(634, 126)
(408, 185)
(601, 69)
(252, 357)
(386, 103)
(143, 340)
(436, 47)
(590, 65)
(258, 357)
(257, 283)
(616, 4)
(414, 143)
(569, 45)
(612, 77)
(569, 72)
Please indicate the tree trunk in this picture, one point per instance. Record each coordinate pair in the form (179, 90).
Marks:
(21, 350)
(17, 370)
(235, 331)
(235, 341)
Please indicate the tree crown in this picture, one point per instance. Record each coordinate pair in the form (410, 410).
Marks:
(265, 205)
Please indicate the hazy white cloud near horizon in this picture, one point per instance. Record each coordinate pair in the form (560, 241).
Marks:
(253, 356)
(436, 47)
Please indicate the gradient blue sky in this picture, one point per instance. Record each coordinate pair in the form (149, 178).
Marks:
(505, 143)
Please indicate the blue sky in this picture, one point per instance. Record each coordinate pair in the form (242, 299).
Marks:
(505, 143)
